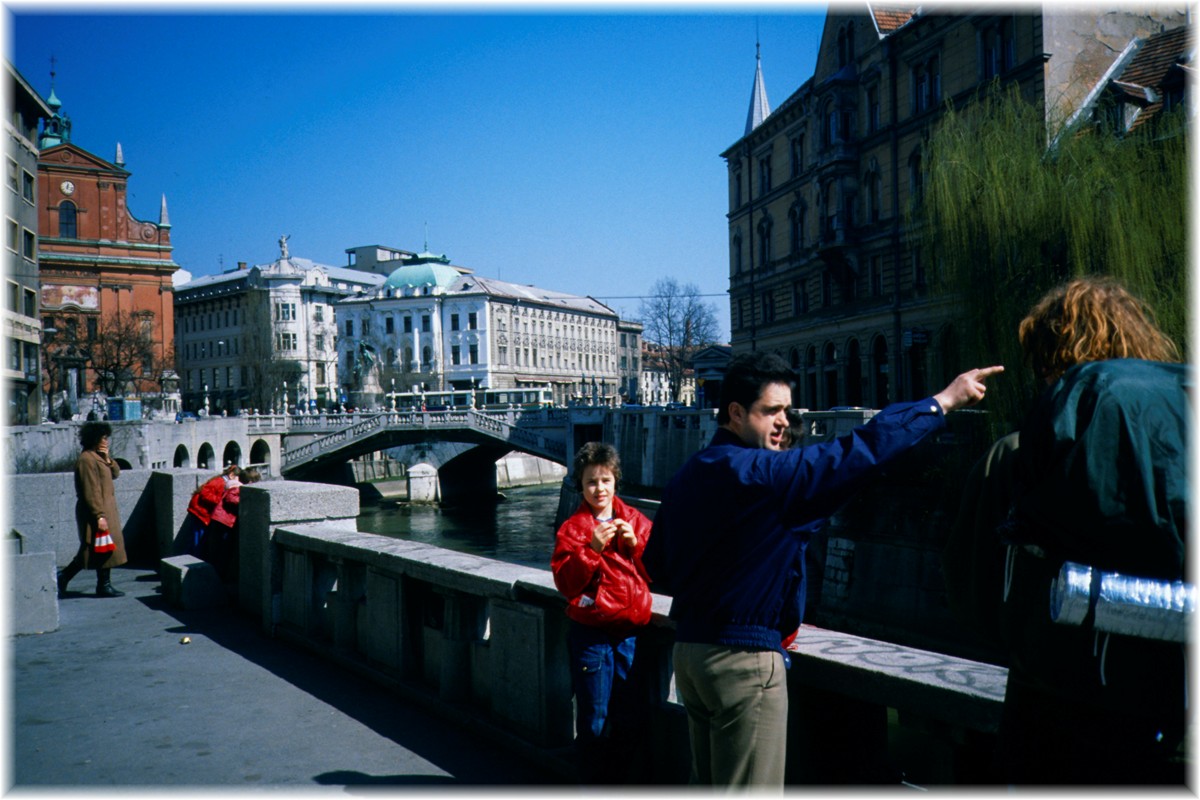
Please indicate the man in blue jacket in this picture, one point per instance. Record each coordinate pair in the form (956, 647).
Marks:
(728, 546)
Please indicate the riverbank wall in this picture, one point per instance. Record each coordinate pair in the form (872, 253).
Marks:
(483, 642)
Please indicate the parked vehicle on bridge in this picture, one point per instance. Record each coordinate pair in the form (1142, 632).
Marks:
(527, 397)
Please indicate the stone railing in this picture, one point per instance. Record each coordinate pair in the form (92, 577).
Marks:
(484, 642)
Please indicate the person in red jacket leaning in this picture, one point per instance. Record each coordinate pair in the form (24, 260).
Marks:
(597, 565)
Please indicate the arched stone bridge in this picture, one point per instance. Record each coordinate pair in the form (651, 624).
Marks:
(541, 433)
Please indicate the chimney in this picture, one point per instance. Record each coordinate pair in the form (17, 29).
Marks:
(241, 265)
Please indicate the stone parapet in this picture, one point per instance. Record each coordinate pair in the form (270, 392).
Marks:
(484, 642)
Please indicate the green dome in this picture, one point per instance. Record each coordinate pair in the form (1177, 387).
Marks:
(416, 275)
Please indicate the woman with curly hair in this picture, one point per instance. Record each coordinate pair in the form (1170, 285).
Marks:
(101, 543)
(1096, 476)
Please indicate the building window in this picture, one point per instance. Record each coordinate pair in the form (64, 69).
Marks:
(454, 322)
(737, 189)
(285, 341)
(874, 193)
(14, 235)
(876, 276)
(389, 325)
(873, 109)
(318, 314)
(14, 172)
(502, 355)
(926, 84)
(737, 255)
(319, 342)
(473, 354)
(454, 354)
(799, 297)
(916, 178)
(472, 321)
(768, 307)
(764, 175)
(764, 243)
(28, 244)
(797, 152)
(93, 328)
(285, 312)
(796, 228)
(997, 49)
(28, 185)
(424, 323)
(66, 220)
(408, 324)
(30, 303)
(349, 327)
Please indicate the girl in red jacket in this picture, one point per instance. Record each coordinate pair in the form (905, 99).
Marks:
(597, 565)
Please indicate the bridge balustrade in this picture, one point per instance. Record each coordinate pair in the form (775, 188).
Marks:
(506, 426)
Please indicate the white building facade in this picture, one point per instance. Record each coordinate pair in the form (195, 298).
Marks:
(265, 337)
(434, 327)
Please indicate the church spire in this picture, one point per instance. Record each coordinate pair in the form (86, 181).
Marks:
(120, 158)
(57, 129)
(760, 109)
(164, 220)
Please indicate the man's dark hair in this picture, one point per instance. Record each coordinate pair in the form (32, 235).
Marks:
(746, 377)
(92, 432)
(596, 454)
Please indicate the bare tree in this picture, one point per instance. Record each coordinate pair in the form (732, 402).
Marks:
(123, 358)
(678, 320)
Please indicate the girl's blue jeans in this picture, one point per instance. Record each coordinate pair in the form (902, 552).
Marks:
(606, 697)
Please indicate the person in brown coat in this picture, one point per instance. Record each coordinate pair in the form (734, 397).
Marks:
(101, 544)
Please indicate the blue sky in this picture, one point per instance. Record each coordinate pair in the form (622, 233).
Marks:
(574, 148)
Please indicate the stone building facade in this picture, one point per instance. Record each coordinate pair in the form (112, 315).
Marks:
(263, 337)
(824, 267)
(22, 323)
(97, 263)
(432, 326)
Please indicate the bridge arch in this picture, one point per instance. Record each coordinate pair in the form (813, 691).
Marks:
(206, 457)
(260, 452)
(232, 454)
(183, 459)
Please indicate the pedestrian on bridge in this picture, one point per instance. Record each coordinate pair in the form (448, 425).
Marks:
(597, 565)
(101, 543)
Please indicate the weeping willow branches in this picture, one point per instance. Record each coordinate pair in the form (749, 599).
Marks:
(1007, 219)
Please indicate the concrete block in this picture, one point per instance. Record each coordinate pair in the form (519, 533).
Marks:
(264, 507)
(190, 583)
(42, 508)
(172, 493)
(422, 484)
(32, 593)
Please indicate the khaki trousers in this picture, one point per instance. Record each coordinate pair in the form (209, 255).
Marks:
(737, 704)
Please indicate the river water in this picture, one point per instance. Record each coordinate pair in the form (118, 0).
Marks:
(519, 530)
